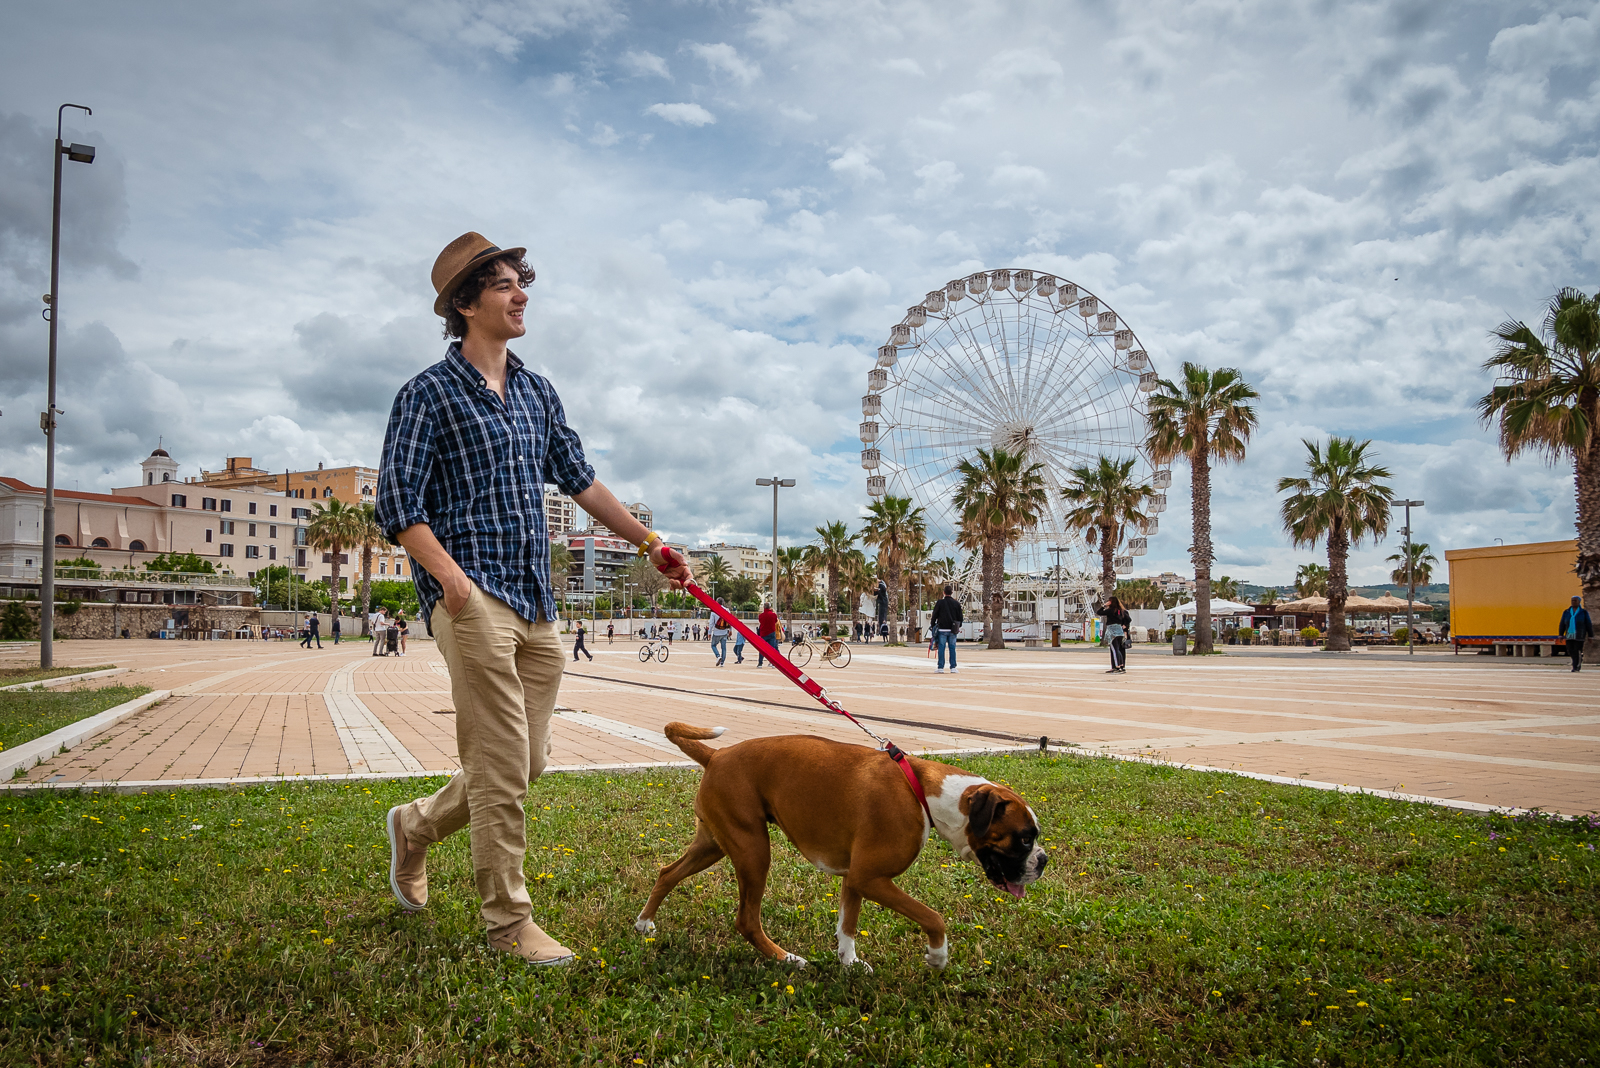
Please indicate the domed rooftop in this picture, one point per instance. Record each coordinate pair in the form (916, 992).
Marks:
(162, 452)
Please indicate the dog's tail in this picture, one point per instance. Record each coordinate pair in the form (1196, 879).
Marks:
(687, 738)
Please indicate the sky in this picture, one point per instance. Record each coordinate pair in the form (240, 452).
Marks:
(728, 205)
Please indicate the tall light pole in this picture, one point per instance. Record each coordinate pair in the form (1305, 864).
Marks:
(47, 420)
(1411, 578)
(775, 482)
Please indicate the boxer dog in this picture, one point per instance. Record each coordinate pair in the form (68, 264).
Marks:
(850, 811)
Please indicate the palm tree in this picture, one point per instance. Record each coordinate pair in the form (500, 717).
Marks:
(1226, 589)
(1270, 597)
(1342, 499)
(561, 564)
(1106, 501)
(793, 576)
(1549, 402)
(859, 574)
(1206, 420)
(1420, 569)
(1139, 593)
(712, 570)
(831, 553)
(334, 528)
(894, 525)
(920, 565)
(1311, 580)
(1000, 497)
(369, 535)
(643, 576)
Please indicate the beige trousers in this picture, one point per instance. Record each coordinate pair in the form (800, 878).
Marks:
(504, 675)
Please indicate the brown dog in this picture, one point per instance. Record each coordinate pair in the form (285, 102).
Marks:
(850, 811)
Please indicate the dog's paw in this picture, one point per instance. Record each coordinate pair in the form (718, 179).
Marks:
(866, 969)
(938, 958)
(795, 959)
(644, 926)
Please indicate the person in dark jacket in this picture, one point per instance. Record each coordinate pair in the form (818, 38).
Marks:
(313, 631)
(1117, 623)
(336, 627)
(946, 624)
(1575, 627)
(578, 646)
(883, 609)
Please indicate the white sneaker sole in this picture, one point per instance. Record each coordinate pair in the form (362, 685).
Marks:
(394, 861)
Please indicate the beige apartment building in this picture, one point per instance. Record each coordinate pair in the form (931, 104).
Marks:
(744, 560)
(241, 527)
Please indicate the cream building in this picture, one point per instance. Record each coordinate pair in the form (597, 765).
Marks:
(744, 560)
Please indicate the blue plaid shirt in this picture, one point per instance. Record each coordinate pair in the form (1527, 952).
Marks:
(474, 469)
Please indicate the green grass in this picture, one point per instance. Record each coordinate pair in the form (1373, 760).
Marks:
(13, 675)
(1186, 919)
(29, 714)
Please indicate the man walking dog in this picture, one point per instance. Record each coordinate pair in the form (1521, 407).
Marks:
(470, 445)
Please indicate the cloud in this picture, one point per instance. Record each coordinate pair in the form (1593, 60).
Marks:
(856, 164)
(725, 59)
(682, 114)
(645, 65)
(938, 180)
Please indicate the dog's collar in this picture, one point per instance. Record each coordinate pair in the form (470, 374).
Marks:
(899, 757)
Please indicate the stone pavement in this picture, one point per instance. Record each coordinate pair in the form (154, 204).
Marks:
(1485, 730)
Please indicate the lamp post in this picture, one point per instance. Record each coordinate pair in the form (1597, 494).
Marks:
(1411, 578)
(775, 482)
(47, 420)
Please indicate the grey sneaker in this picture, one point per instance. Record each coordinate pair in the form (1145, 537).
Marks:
(408, 871)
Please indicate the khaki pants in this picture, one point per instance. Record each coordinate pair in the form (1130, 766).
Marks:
(504, 676)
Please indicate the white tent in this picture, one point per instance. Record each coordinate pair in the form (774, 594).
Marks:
(1218, 608)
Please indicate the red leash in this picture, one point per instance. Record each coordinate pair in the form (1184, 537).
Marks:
(799, 678)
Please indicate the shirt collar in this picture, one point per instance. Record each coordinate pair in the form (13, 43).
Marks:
(470, 374)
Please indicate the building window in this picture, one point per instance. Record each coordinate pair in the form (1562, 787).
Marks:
(252, 530)
(272, 510)
(252, 552)
(299, 558)
(299, 513)
(327, 491)
(99, 543)
(225, 549)
(62, 539)
(180, 500)
(272, 532)
(252, 507)
(208, 504)
(136, 546)
(226, 525)
(272, 552)
(227, 505)
(344, 559)
(300, 535)
(398, 570)
(208, 535)
(382, 568)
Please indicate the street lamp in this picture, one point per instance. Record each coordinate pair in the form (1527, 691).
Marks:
(1411, 578)
(47, 419)
(775, 482)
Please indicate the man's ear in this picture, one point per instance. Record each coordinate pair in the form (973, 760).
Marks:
(985, 808)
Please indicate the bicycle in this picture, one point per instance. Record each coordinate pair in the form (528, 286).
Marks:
(655, 647)
(835, 652)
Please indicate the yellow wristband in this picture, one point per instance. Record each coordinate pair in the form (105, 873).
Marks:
(644, 549)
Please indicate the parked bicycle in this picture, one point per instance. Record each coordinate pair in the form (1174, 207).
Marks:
(833, 651)
(656, 647)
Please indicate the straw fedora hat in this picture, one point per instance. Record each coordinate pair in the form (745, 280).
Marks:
(457, 260)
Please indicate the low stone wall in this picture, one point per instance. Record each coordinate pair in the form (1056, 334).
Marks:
(93, 620)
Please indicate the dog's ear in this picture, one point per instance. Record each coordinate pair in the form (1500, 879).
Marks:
(987, 805)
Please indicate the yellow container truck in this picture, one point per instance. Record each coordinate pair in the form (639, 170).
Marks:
(1509, 598)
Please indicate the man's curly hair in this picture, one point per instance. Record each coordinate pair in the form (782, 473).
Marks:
(468, 292)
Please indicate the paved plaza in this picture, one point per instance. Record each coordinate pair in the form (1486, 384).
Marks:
(1482, 730)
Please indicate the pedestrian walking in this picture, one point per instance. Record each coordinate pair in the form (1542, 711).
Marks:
(719, 639)
(767, 631)
(336, 626)
(738, 648)
(471, 441)
(400, 625)
(1117, 623)
(883, 609)
(1575, 627)
(611, 633)
(946, 625)
(313, 631)
(577, 646)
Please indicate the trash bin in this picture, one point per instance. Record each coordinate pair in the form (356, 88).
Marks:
(1180, 644)
(1055, 635)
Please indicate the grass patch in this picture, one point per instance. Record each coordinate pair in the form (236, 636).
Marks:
(1186, 918)
(13, 675)
(29, 714)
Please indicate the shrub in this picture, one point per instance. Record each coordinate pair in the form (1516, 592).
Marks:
(1401, 635)
(1310, 632)
(81, 563)
(16, 623)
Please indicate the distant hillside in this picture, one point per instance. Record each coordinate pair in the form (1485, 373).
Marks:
(1435, 593)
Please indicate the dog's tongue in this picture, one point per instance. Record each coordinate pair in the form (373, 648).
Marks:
(1015, 890)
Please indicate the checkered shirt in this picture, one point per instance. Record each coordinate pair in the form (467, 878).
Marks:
(474, 469)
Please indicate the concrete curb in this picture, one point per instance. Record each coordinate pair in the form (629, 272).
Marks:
(30, 754)
(50, 684)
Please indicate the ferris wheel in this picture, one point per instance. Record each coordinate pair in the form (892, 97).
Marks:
(1026, 362)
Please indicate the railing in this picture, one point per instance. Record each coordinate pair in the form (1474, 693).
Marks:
(129, 577)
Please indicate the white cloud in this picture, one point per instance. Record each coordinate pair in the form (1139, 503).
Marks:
(856, 164)
(645, 64)
(938, 180)
(726, 59)
(682, 114)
